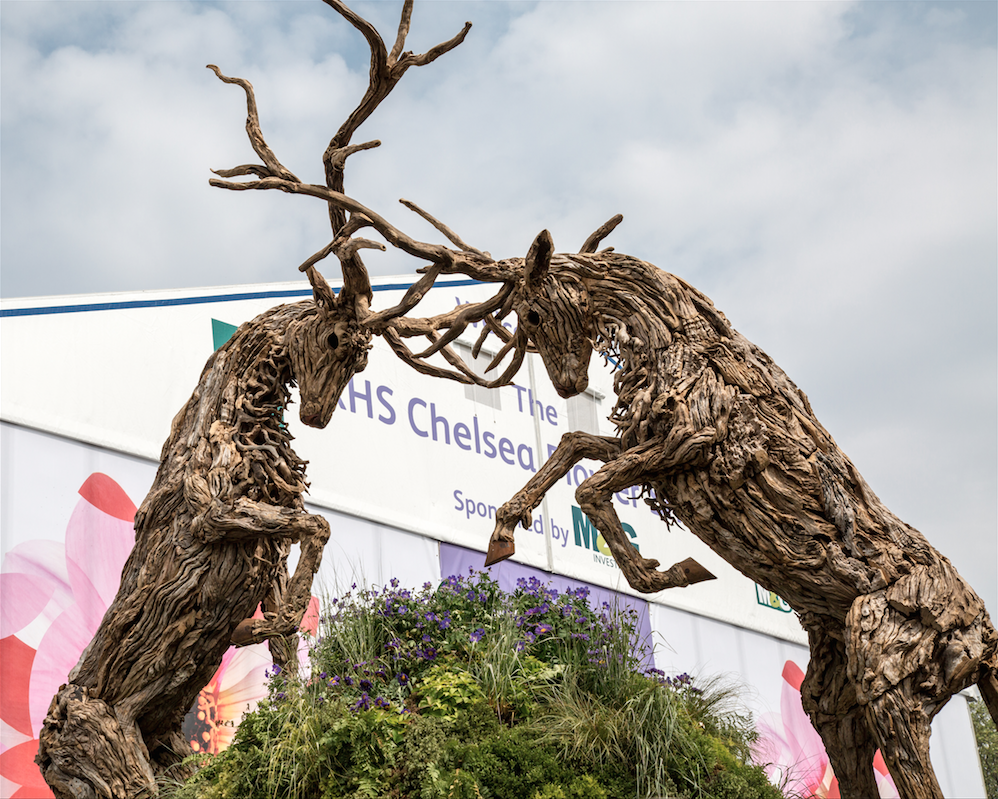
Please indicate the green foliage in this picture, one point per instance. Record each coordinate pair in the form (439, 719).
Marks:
(447, 690)
(987, 746)
(465, 691)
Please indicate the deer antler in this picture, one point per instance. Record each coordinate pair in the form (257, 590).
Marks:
(386, 70)
(348, 216)
(601, 233)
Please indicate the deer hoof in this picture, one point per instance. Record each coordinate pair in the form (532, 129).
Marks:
(499, 550)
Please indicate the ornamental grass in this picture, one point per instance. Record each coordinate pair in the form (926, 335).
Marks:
(464, 690)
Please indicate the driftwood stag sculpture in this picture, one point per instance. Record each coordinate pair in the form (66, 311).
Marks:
(728, 445)
(213, 535)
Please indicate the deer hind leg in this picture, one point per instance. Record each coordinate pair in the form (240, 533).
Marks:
(829, 698)
(898, 664)
(595, 495)
(85, 750)
(901, 725)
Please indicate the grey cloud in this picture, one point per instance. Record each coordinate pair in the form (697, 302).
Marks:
(824, 171)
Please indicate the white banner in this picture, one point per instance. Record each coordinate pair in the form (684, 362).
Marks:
(422, 454)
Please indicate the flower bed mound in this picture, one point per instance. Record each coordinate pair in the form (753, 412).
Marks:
(464, 690)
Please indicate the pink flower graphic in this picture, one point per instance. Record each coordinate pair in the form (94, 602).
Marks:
(53, 596)
(792, 751)
(237, 687)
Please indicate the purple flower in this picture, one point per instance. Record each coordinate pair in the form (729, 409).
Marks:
(364, 703)
(543, 628)
(476, 636)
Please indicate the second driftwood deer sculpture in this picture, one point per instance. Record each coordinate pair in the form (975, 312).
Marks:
(728, 445)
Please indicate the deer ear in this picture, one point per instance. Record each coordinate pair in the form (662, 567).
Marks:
(539, 259)
(321, 292)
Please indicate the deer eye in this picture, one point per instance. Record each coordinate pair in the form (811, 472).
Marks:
(333, 341)
(533, 317)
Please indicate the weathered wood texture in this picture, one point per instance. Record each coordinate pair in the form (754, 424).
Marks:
(211, 543)
(213, 536)
(723, 441)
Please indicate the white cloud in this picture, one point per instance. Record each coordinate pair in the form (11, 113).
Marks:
(824, 171)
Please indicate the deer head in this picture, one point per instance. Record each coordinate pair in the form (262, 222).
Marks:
(555, 311)
(327, 346)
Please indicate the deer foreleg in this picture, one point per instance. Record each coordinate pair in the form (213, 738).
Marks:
(246, 518)
(594, 496)
(292, 602)
(901, 725)
(572, 448)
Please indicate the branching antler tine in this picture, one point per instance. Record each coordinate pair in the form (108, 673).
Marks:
(450, 234)
(243, 169)
(601, 233)
(338, 157)
(480, 341)
(379, 55)
(521, 342)
(385, 71)
(441, 342)
(456, 321)
(346, 248)
(429, 252)
(501, 354)
(312, 260)
(274, 167)
(438, 50)
(493, 325)
(456, 361)
(409, 301)
(403, 352)
(402, 33)
(520, 352)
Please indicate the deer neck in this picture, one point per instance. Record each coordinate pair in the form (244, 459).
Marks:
(655, 330)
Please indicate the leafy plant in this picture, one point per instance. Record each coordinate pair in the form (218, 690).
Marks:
(987, 746)
(463, 690)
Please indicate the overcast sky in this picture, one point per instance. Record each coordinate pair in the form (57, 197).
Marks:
(825, 172)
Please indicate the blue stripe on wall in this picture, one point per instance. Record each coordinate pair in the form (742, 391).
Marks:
(160, 303)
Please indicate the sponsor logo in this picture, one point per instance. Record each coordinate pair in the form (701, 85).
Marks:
(770, 599)
(588, 537)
